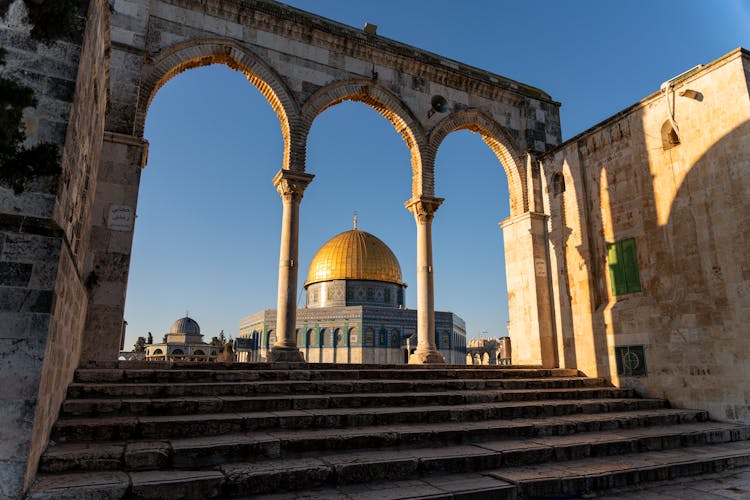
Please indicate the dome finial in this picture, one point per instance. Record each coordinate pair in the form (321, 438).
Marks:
(355, 219)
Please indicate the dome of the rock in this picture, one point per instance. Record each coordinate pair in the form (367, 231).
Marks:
(354, 255)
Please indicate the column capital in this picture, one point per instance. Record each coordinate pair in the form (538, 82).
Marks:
(291, 185)
(423, 207)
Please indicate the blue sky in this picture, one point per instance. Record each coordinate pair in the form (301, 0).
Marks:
(207, 233)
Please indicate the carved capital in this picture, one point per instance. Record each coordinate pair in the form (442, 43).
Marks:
(423, 208)
(291, 185)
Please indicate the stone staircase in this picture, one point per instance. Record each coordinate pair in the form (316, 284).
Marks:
(185, 430)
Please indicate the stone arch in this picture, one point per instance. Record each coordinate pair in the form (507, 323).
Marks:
(352, 336)
(322, 337)
(309, 337)
(390, 106)
(500, 142)
(181, 57)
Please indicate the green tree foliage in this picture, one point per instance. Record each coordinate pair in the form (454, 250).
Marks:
(219, 341)
(50, 20)
(20, 163)
(54, 19)
(140, 345)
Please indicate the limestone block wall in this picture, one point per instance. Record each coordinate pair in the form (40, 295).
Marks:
(43, 235)
(687, 208)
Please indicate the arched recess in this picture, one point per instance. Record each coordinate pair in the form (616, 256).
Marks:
(172, 61)
(389, 106)
(496, 138)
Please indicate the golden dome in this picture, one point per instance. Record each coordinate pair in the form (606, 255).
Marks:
(355, 255)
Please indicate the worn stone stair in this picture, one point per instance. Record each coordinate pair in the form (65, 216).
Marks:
(185, 430)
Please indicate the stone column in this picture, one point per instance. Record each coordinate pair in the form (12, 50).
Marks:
(529, 306)
(290, 185)
(111, 243)
(424, 209)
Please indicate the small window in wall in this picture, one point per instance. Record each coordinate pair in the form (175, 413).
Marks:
(623, 267)
(558, 184)
(631, 360)
(669, 137)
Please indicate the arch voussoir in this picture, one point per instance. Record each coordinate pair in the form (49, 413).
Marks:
(196, 53)
(390, 106)
(500, 142)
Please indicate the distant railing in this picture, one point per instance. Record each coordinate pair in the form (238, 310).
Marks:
(180, 357)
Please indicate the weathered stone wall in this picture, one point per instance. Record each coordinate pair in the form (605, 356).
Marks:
(43, 235)
(688, 208)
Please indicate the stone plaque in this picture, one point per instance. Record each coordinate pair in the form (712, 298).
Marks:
(120, 218)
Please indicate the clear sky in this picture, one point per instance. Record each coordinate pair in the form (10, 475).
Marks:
(208, 226)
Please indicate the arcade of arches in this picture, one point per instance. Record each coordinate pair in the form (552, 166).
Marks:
(620, 246)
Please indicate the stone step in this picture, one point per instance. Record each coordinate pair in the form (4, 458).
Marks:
(232, 398)
(286, 366)
(570, 467)
(213, 450)
(585, 476)
(314, 372)
(159, 390)
(163, 427)
(465, 486)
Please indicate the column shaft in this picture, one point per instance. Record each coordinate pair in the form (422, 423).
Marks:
(291, 186)
(424, 210)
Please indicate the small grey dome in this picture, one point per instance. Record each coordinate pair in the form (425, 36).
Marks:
(186, 325)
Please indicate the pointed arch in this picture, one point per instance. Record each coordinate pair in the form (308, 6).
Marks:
(173, 60)
(388, 105)
(500, 142)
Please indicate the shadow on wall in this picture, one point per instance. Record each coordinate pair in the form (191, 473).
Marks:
(701, 354)
(691, 308)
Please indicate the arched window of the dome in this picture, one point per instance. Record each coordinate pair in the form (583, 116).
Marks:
(383, 337)
(445, 340)
(177, 352)
(322, 337)
(395, 338)
(369, 337)
(157, 352)
(353, 336)
(328, 338)
(309, 337)
(338, 336)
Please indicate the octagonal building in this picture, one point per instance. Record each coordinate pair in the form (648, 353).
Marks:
(355, 310)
